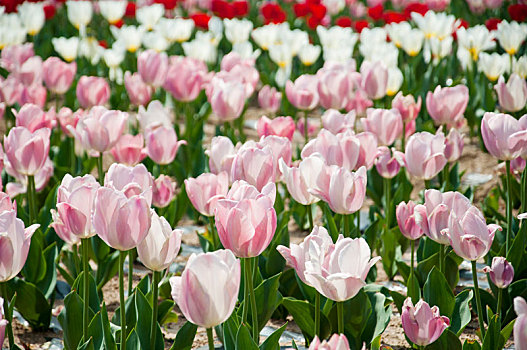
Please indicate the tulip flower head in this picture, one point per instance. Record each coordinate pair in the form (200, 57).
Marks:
(422, 324)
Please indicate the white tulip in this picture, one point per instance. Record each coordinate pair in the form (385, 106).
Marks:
(309, 54)
(155, 41)
(245, 50)
(112, 10)
(519, 66)
(12, 31)
(89, 47)
(493, 65)
(395, 80)
(511, 35)
(281, 55)
(79, 13)
(148, 16)
(67, 48)
(32, 16)
(129, 36)
(175, 30)
(237, 30)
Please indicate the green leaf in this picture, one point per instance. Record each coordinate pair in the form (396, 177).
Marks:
(165, 313)
(398, 300)
(302, 313)
(31, 304)
(70, 320)
(447, 341)
(78, 286)
(35, 267)
(230, 330)
(471, 344)
(49, 280)
(244, 341)
(357, 311)
(144, 322)
(414, 290)
(86, 346)
(332, 227)
(506, 333)
(132, 342)
(100, 331)
(185, 337)
(436, 291)
(378, 319)
(461, 316)
(272, 342)
(492, 336)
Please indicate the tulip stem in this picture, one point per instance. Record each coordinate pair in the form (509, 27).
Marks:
(499, 306)
(8, 316)
(31, 198)
(122, 306)
(317, 313)
(86, 290)
(213, 233)
(76, 261)
(100, 169)
(403, 138)
(358, 224)
(310, 217)
(340, 315)
(73, 158)
(210, 338)
(387, 194)
(441, 259)
(509, 206)
(245, 310)
(256, 332)
(130, 271)
(445, 177)
(524, 191)
(306, 129)
(478, 299)
(412, 249)
(155, 297)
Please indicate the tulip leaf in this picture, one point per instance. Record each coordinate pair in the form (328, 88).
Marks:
(517, 250)
(273, 341)
(506, 332)
(35, 267)
(78, 286)
(70, 321)
(132, 342)
(48, 282)
(413, 288)
(164, 312)
(244, 340)
(471, 344)
(451, 269)
(144, 322)
(87, 345)
(303, 312)
(357, 312)
(398, 300)
(99, 331)
(379, 318)
(185, 337)
(461, 316)
(436, 291)
(330, 221)
(230, 329)
(447, 341)
(492, 338)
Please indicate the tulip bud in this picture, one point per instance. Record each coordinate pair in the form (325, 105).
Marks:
(408, 220)
(425, 155)
(512, 95)
(205, 190)
(58, 75)
(280, 126)
(501, 272)
(269, 99)
(27, 152)
(447, 105)
(422, 324)
(162, 144)
(92, 91)
(153, 67)
(129, 150)
(163, 191)
(336, 342)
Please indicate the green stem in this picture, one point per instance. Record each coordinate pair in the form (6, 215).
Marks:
(412, 247)
(130, 271)
(155, 304)
(524, 191)
(340, 315)
(441, 259)
(478, 299)
(31, 199)
(122, 307)
(347, 225)
(445, 176)
(509, 206)
(210, 338)
(76, 261)
(213, 233)
(252, 295)
(246, 269)
(403, 138)
(8, 316)
(306, 129)
(86, 290)
(358, 224)
(310, 217)
(73, 157)
(317, 313)
(100, 169)
(500, 303)
(387, 194)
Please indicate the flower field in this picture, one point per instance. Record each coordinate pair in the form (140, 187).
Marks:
(261, 174)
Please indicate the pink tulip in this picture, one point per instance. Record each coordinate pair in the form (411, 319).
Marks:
(374, 79)
(221, 155)
(58, 75)
(254, 165)
(6, 203)
(30, 72)
(422, 324)
(163, 191)
(280, 147)
(437, 5)
(269, 99)
(153, 67)
(33, 118)
(75, 198)
(13, 56)
(298, 256)
(520, 326)
(343, 190)
(336, 122)
(247, 225)
(242, 190)
(129, 150)
(155, 115)
(92, 91)
(336, 342)
(517, 165)
(338, 271)
(342, 149)
(447, 105)
(207, 290)
(41, 178)
(433, 216)
(299, 180)
(205, 190)
(246, 73)
(494, 4)
(469, 234)
(503, 135)
(334, 88)
(26, 151)
(512, 95)
(227, 100)
(132, 181)
(454, 144)
(425, 155)
(138, 92)
(303, 93)
(35, 94)
(119, 221)
(67, 118)
(232, 59)
(501, 272)
(359, 102)
(280, 126)
(100, 129)
(386, 124)
(388, 165)
(162, 144)
(368, 150)
(311, 127)
(10, 90)
(161, 245)
(408, 220)
(14, 241)
(407, 106)
(185, 80)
